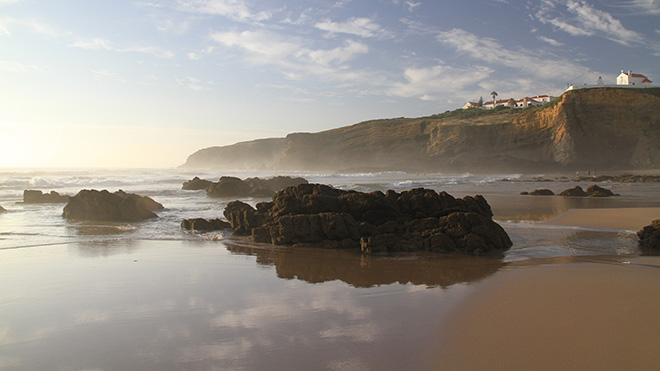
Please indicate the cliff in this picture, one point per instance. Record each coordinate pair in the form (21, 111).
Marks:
(601, 129)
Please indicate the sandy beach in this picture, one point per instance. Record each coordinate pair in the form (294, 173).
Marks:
(569, 313)
(579, 316)
(632, 219)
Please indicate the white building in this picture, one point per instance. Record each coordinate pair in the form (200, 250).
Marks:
(632, 79)
(535, 101)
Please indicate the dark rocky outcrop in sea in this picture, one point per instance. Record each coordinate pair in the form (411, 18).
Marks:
(649, 238)
(200, 224)
(38, 197)
(229, 186)
(414, 220)
(105, 206)
(195, 184)
(577, 191)
(2, 209)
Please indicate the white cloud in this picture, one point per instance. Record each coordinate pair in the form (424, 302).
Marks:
(363, 27)
(233, 9)
(192, 83)
(412, 5)
(432, 83)
(15, 67)
(6, 23)
(493, 53)
(550, 41)
(582, 19)
(103, 44)
(645, 7)
(103, 74)
(294, 57)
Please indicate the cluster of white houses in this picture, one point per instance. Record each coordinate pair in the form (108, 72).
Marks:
(625, 79)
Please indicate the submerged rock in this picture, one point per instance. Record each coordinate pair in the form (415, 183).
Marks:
(196, 183)
(229, 186)
(415, 220)
(649, 238)
(200, 224)
(38, 197)
(106, 206)
(542, 192)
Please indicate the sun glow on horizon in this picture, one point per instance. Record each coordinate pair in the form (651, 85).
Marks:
(98, 146)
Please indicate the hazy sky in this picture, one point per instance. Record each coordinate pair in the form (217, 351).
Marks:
(125, 83)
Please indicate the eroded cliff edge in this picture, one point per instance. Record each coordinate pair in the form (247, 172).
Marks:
(584, 129)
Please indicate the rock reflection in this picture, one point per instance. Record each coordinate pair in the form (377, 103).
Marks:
(318, 265)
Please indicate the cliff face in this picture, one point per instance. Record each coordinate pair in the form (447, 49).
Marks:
(585, 129)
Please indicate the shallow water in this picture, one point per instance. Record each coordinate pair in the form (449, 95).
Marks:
(143, 296)
(148, 305)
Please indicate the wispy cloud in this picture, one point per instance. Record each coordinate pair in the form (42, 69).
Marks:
(103, 74)
(437, 82)
(550, 41)
(644, 7)
(493, 53)
(233, 9)
(363, 27)
(193, 83)
(103, 44)
(16, 67)
(293, 55)
(7, 23)
(579, 18)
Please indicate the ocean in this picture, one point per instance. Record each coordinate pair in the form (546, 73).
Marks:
(79, 295)
(26, 225)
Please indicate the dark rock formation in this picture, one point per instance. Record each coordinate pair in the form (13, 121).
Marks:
(596, 191)
(2, 209)
(592, 191)
(251, 187)
(649, 238)
(542, 192)
(106, 206)
(195, 184)
(576, 191)
(38, 197)
(200, 224)
(415, 220)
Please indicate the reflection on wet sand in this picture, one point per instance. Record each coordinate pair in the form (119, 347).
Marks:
(319, 265)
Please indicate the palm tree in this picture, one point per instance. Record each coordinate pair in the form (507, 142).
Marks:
(494, 95)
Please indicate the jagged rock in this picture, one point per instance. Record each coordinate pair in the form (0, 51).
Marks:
(596, 191)
(106, 206)
(419, 219)
(195, 184)
(250, 187)
(2, 209)
(576, 191)
(38, 197)
(542, 192)
(649, 238)
(200, 224)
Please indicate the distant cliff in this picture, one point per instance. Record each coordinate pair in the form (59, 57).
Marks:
(600, 129)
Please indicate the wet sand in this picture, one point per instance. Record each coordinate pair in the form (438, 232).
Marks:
(579, 316)
(632, 219)
(570, 313)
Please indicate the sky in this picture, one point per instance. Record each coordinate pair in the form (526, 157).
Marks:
(145, 83)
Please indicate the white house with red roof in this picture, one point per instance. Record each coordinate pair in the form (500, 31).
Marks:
(631, 78)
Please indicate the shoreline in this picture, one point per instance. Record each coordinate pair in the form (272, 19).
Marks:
(629, 219)
(586, 315)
